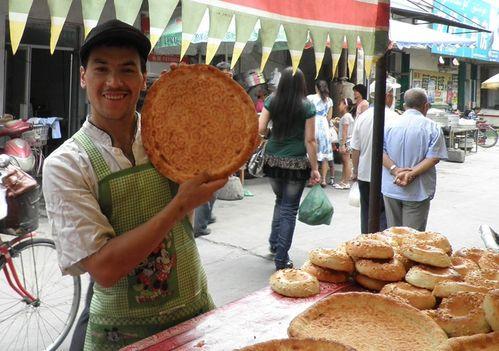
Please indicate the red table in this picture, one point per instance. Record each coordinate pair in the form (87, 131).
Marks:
(261, 316)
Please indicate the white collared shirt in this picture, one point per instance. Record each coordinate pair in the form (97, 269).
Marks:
(70, 189)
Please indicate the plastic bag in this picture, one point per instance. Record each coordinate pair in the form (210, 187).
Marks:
(232, 190)
(333, 135)
(316, 208)
(354, 195)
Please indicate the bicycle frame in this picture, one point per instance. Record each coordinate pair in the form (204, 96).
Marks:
(10, 271)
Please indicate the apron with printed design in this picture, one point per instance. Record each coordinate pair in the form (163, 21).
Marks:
(169, 286)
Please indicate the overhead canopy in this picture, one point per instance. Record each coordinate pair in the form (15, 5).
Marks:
(422, 10)
(491, 83)
(319, 19)
(406, 35)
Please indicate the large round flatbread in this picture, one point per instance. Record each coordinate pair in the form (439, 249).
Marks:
(298, 345)
(196, 119)
(368, 322)
(477, 342)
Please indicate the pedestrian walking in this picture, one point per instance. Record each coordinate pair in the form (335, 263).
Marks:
(286, 162)
(413, 146)
(324, 112)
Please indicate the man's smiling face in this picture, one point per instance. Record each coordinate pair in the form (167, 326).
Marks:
(113, 80)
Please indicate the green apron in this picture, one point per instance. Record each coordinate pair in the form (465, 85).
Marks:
(169, 286)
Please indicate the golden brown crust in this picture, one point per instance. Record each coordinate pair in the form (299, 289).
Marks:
(491, 309)
(488, 278)
(362, 320)
(336, 259)
(461, 314)
(489, 260)
(427, 277)
(463, 265)
(369, 283)
(294, 283)
(420, 298)
(434, 239)
(387, 270)
(298, 345)
(426, 254)
(186, 115)
(324, 274)
(447, 288)
(369, 248)
(477, 342)
(472, 253)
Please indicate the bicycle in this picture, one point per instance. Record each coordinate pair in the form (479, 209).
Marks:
(487, 135)
(38, 305)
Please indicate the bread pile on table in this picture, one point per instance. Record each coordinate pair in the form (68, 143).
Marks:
(459, 290)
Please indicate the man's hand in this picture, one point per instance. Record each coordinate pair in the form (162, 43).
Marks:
(354, 175)
(343, 149)
(198, 191)
(404, 177)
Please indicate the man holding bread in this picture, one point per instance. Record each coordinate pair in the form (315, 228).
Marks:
(413, 146)
(145, 264)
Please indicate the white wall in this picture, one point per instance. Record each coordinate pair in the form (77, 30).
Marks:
(422, 59)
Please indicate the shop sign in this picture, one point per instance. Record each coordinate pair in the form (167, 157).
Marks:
(441, 87)
(483, 12)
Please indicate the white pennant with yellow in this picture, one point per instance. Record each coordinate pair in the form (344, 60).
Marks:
(219, 23)
(91, 11)
(319, 38)
(159, 15)
(127, 10)
(192, 14)
(18, 16)
(58, 12)
(245, 25)
(268, 34)
(297, 37)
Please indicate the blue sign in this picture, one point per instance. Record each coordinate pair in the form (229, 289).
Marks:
(481, 12)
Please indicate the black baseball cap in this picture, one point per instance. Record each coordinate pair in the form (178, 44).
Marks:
(115, 30)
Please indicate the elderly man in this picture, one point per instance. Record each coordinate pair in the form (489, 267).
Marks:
(413, 146)
(361, 144)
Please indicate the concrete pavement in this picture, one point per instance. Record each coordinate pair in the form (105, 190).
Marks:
(236, 256)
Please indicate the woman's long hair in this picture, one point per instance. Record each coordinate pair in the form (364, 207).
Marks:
(288, 104)
(323, 89)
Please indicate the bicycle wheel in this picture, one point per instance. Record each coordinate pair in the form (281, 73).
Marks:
(44, 324)
(487, 137)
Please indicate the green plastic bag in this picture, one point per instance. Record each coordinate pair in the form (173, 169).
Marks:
(316, 208)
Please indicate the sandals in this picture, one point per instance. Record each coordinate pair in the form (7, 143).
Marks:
(341, 186)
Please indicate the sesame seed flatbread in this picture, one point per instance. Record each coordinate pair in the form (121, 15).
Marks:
(196, 119)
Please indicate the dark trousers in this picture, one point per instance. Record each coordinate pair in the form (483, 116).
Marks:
(78, 339)
(364, 189)
(203, 214)
(288, 194)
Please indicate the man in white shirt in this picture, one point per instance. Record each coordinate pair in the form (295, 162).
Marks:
(361, 144)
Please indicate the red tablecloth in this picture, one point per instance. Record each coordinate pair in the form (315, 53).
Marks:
(261, 316)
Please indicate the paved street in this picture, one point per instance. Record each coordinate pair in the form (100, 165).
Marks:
(236, 257)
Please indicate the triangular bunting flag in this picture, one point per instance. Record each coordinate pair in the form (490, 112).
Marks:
(268, 34)
(297, 37)
(219, 22)
(192, 14)
(127, 10)
(58, 12)
(18, 16)
(91, 11)
(319, 36)
(244, 27)
(159, 15)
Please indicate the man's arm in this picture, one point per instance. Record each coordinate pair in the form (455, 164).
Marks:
(121, 254)
(355, 163)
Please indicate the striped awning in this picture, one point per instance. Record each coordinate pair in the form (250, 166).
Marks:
(325, 22)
